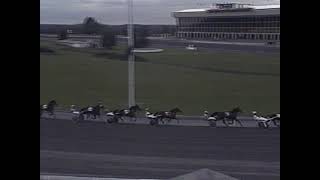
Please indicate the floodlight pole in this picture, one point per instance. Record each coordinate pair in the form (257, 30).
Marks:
(131, 58)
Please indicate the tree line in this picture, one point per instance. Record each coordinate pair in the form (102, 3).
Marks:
(108, 34)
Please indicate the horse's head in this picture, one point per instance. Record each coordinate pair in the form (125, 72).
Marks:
(138, 108)
(175, 110)
(99, 105)
(135, 108)
(53, 103)
(236, 110)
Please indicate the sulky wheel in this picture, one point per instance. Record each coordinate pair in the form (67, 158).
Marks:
(263, 125)
(213, 123)
(154, 122)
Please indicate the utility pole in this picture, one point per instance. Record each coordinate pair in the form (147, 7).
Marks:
(131, 57)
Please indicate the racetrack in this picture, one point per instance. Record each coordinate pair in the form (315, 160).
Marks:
(142, 151)
(247, 122)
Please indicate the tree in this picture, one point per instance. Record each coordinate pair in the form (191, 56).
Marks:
(140, 37)
(108, 39)
(91, 26)
(63, 35)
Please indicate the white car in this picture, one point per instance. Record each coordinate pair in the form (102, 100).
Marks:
(192, 48)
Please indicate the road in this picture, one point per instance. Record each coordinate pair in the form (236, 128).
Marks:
(142, 151)
(253, 47)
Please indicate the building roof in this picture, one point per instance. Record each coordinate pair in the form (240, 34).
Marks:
(250, 6)
(267, 7)
(193, 10)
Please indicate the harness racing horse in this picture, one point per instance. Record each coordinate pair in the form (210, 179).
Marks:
(233, 116)
(170, 115)
(228, 118)
(131, 113)
(92, 111)
(154, 119)
(214, 117)
(78, 116)
(114, 116)
(49, 108)
(264, 122)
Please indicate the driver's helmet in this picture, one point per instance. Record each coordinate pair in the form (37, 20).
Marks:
(254, 112)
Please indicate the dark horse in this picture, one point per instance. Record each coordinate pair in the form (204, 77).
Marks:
(228, 118)
(113, 116)
(170, 115)
(94, 111)
(131, 112)
(48, 108)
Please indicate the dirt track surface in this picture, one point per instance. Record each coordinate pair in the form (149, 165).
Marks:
(141, 151)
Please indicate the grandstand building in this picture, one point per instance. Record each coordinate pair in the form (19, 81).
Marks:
(230, 21)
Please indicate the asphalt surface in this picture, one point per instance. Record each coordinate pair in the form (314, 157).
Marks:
(218, 46)
(141, 151)
(228, 46)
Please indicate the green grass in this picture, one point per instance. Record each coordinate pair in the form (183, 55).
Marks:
(213, 81)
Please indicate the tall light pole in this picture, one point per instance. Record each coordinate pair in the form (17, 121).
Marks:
(131, 65)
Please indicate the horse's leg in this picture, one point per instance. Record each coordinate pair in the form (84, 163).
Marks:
(225, 122)
(268, 123)
(161, 119)
(239, 122)
(54, 115)
(277, 123)
(274, 122)
(121, 119)
(51, 114)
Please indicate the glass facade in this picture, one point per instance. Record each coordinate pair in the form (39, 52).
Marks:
(238, 27)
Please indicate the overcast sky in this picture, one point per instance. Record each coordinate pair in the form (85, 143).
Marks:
(115, 11)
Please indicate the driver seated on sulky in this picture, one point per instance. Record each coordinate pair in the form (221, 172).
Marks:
(259, 118)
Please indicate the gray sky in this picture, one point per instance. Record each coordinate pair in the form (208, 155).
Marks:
(115, 11)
